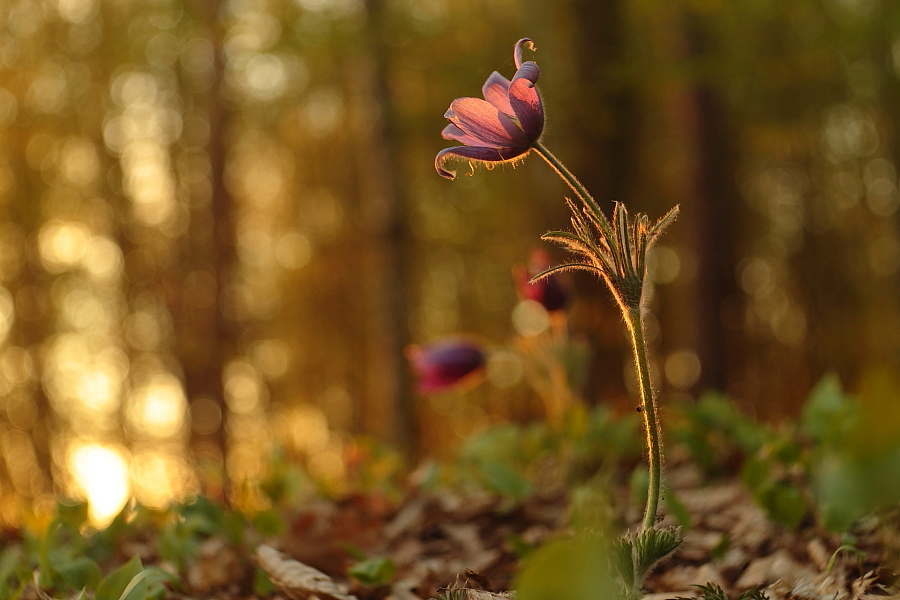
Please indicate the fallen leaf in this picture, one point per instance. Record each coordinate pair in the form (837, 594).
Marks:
(298, 581)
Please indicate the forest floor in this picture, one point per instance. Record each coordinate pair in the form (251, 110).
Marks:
(441, 540)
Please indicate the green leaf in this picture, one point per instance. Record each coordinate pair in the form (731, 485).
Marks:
(753, 593)
(502, 479)
(652, 546)
(136, 588)
(623, 561)
(635, 555)
(9, 562)
(262, 585)
(157, 580)
(80, 572)
(847, 487)
(756, 472)
(373, 571)
(269, 523)
(828, 414)
(710, 591)
(72, 513)
(574, 569)
(48, 541)
(783, 503)
(116, 583)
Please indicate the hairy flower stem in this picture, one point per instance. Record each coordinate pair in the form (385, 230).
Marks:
(576, 186)
(631, 311)
(648, 408)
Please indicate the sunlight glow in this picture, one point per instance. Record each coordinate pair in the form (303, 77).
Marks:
(309, 429)
(682, 369)
(101, 475)
(76, 11)
(530, 318)
(242, 387)
(159, 477)
(98, 389)
(158, 409)
(62, 244)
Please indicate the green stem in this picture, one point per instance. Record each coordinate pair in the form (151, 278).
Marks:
(632, 313)
(648, 408)
(577, 187)
(567, 176)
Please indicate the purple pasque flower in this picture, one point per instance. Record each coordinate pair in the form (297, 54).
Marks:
(444, 364)
(548, 291)
(501, 128)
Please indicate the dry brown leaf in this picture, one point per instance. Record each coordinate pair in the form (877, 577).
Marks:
(298, 581)
(779, 565)
(863, 584)
(683, 577)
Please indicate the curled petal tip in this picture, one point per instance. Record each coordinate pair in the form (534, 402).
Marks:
(517, 53)
(439, 165)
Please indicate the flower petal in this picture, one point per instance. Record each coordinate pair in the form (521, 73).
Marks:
(517, 51)
(496, 91)
(526, 102)
(477, 153)
(481, 120)
(452, 132)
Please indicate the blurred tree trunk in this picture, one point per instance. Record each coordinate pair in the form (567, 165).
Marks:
(208, 337)
(608, 123)
(715, 207)
(389, 413)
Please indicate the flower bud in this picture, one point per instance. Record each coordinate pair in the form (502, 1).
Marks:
(446, 364)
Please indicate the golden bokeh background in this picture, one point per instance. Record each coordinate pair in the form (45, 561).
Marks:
(220, 226)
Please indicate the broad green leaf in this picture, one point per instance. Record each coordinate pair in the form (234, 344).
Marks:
(114, 584)
(80, 572)
(847, 487)
(136, 588)
(156, 580)
(575, 569)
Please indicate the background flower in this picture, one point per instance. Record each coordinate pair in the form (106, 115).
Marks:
(445, 364)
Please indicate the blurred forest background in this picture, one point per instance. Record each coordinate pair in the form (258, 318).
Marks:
(220, 225)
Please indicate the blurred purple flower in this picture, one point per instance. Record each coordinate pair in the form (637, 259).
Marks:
(548, 291)
(501, 128)
(442, 365)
